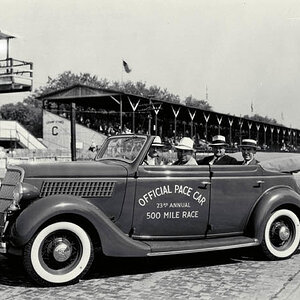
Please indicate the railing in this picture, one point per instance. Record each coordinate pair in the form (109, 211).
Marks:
(16, 71)
(14, 131)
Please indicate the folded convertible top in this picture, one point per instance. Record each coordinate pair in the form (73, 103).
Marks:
(284, 165)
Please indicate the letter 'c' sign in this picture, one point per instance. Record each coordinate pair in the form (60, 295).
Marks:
(54, 130)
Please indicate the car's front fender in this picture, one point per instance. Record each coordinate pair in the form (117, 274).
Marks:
(280, 196)
(114, 242)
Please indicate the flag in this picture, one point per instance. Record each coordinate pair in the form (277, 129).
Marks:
(126, 67)
(252, 107)
(282, 118)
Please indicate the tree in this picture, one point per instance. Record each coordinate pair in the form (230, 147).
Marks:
(68, 78)
(262, 119)
(202, 104)
(139, 88)
(29, 112)
(26, 114)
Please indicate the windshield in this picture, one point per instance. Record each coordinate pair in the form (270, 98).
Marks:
(125, 148)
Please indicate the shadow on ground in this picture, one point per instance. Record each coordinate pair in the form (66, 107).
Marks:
(109, 267)
(13, 274)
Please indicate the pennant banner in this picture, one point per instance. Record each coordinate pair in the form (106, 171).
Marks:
(175, 112)
(134, 107)
(192, 115)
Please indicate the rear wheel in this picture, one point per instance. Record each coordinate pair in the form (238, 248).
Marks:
(281, 235)
(59, 254)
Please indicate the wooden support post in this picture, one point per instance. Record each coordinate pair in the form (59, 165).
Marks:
(73, 131)
(241, 125)
(192, 116)
(206, 121)
(175, 121)
(249, 128)
(121, 114)
(230, 131)
(219, 124)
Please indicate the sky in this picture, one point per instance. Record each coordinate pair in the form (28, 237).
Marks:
(243, 51)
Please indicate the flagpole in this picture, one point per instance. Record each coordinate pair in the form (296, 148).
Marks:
(122, 84)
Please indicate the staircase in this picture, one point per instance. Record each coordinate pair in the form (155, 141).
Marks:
(12, 131)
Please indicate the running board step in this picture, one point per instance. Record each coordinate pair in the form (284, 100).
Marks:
(159, 248)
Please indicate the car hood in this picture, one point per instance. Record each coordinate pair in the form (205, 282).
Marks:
(74, 169)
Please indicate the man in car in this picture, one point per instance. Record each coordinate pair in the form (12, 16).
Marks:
(219, 149)
(154, 156)
(185, 151)
(248, 148)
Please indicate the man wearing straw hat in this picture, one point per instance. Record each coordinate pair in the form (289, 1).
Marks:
(219, 158)
(185, 150)
(154, 156)
(248, 148)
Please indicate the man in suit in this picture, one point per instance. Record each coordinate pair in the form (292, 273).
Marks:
(219, 149)
(154, 156)
(185, 151)
(248, 148)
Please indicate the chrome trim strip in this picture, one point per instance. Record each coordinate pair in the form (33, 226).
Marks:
(3, 248)
(254, 243)
(154, 238)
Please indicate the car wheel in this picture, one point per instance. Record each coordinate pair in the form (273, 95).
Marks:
(59, 254)
(281, 235)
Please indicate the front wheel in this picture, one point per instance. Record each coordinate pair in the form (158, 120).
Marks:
(59, 254)
(281, 235)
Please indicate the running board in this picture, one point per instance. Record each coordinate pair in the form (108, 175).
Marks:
(159, 248)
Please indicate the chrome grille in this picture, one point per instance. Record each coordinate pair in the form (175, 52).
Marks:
(11, 179)
(78, 188)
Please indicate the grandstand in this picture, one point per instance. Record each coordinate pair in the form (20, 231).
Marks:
(57, 133)
(111, 112)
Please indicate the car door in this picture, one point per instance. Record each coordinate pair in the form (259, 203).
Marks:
(171, 202)
(234, 191)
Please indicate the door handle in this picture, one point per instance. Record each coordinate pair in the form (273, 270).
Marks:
(204, 184)
(259, 183)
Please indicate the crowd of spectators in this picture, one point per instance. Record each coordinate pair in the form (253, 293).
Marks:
(107, 123)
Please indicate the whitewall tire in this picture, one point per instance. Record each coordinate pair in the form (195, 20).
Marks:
(281, 235)
(61, 253)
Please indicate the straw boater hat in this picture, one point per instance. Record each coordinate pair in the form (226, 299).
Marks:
(185, 143)
(218, 140)
(249, 143)
(157, 142)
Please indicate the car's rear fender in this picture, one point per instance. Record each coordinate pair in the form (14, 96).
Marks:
(273, 199)
(114, 242)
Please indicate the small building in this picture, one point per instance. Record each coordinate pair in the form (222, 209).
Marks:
(15, 75)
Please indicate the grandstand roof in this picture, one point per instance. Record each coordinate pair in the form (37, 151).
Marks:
(110, 99)
(5, 36)
(78, 91)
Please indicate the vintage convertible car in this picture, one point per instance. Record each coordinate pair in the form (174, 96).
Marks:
(55, 215)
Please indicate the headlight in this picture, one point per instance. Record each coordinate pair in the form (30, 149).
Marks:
(17, 196)
(18, 193)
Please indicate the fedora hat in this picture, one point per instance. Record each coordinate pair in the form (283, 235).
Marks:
(185, 143)
(157, 142)
(248, 143)
(218, 140)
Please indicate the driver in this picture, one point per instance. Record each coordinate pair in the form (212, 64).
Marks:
(154, 156)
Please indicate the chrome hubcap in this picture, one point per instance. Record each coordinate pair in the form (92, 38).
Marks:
(62, 250)
(284, 233)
